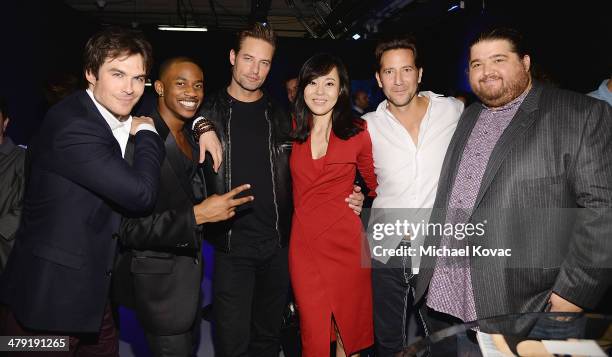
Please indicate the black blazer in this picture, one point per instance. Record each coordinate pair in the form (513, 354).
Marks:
(554, 157)
(58, 275)
(158, 270)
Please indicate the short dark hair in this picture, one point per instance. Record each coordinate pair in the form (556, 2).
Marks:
(258, 31)
(290, 77)
(513, 36)
(163, 68)
(355, 93)
(344, 124)
(405, 42)
(113, 42)
(3, 108)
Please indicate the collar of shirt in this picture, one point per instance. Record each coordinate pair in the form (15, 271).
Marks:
(7, 146)
(383, 107)
(604, 91)
(408, 173)
(120, 128)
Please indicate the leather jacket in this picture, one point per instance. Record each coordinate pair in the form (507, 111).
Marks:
(218, 109)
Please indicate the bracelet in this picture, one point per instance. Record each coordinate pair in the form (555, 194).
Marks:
(202, 126)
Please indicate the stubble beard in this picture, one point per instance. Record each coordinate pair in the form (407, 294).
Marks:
(403, 103)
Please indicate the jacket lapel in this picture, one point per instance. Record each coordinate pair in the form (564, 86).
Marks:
(91, 107)
(522, 120)
(173, 155)
(129, 150)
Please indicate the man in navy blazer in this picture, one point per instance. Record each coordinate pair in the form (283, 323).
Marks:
(57, 278)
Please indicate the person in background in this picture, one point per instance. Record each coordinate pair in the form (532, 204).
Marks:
(361, 102)
(12, 186)
(291, 87)
(604, 91)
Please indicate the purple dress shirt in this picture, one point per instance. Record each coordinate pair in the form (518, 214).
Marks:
(450, 289)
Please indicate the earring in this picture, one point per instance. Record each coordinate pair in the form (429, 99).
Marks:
(161, 94)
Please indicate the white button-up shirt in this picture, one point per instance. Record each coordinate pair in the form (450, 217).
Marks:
(120, 128)
(407, 173)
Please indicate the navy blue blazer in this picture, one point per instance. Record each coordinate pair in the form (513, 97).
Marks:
(57, 277)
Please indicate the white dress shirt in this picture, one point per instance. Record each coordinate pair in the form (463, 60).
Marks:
(120, 128)
(407, 173)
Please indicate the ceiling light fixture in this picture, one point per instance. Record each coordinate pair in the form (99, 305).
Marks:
(188, 29)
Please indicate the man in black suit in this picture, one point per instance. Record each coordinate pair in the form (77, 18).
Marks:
(12, 185)
(158, 269)
(534, 165)
(57, 278)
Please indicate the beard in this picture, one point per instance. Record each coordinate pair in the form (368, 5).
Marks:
(401, 102)
(509, 89)
(245, 84)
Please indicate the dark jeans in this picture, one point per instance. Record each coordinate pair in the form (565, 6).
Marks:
(103, 344)
(393, 293)
(250, 287)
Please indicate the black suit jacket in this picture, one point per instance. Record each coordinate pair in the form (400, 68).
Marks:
(547, 195)
(58, 275)
(158, 270)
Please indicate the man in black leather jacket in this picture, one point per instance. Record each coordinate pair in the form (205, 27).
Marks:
(251, 277)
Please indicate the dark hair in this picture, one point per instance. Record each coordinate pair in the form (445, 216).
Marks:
(514, 37)
(3, 108)
(258, 31)
(290, 77)
(405, 42)
(344, 124)
(113, 42)
(355, 93)
(163, 68)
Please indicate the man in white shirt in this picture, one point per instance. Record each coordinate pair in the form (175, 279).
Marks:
(410, 133)
(58, 274)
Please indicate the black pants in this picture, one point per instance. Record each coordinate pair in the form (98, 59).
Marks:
(393, 289)
(249, 294)
(181, 345)
(458, 343)
(172, 345)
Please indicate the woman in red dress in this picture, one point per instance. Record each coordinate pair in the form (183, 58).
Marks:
(328, 253)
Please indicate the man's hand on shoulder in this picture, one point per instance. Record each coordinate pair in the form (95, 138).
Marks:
(209, 141)
(137, 121)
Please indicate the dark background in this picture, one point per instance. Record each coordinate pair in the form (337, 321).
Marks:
(570, 45)
(41, 42)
